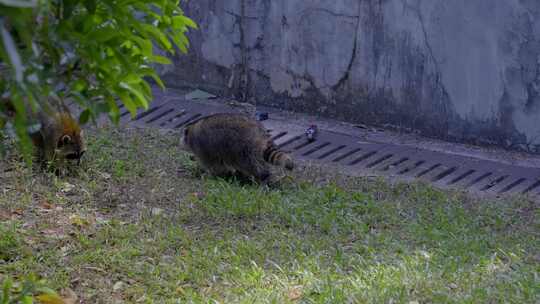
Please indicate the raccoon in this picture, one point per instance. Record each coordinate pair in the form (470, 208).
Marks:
(228, 144)
(58, 137)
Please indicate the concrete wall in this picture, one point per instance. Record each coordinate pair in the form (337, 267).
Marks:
(464, 70)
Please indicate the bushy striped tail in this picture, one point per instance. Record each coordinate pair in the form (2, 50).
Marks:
(279, 158)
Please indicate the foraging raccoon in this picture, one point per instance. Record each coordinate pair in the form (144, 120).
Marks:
(226, 144)
(58, 137)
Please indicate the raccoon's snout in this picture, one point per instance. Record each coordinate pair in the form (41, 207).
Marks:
(264, 176)
(75, 156)
(289, 165)
(72, 156)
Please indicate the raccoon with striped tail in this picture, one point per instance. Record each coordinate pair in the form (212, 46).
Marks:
(230, 144)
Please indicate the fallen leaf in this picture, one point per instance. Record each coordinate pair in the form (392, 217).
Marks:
(105, 175)
(46, 205)
(50, 299)
(118, 286)
(198, 195)
(425, 254)
(29, 241)
(67, 187)
(57, 233)
(4, 215)
(157, 211)
(64, 250)
(295, 293)
(101, 220)
(78, 221)
(70, 297)
(95, 269)
(180, 290)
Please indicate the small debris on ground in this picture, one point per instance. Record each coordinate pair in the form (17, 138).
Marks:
(245, 107)
(364, 127)
(311, 133)
(198, 195)
(67, 187)
(118, 286)
(361, 126)
(260, 116)
(199, 94)
(295, 293)
(157, 211)
(236, 103)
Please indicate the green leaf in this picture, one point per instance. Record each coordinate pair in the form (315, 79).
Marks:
(132, 88)
(68, 8)
(182, 21)
(181, 41)
(147, 90)
(150, 72)
(45, 290)
(91, 6)
(145, 45)
(114, 112)
(128, 103)
(8, 283)
(103, 35)
(85, 116)
(161, 59)
(132, 78)
(159, 36)
(27, 300)
(79, 85)
(8, 44)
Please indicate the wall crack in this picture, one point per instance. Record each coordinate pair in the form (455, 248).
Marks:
(438, 72)
(347, 73)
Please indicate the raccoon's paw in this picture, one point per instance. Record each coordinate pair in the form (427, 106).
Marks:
(272, 181)
(264, 176)
(198, 171)
(281, 181)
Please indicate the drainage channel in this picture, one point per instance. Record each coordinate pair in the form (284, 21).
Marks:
(359, 157)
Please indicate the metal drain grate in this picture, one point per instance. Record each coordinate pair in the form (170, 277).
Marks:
(443, 170)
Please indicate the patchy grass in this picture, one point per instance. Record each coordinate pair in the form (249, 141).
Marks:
(138, 224)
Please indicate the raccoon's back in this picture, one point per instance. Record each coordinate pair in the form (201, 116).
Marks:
(226, 133)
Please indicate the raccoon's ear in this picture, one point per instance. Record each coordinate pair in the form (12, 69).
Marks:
(64, 140)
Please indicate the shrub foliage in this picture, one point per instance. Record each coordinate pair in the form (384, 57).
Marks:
(92, 52)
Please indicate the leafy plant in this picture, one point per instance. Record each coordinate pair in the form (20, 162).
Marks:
(10, 243)
(27, 292)
(92, 52)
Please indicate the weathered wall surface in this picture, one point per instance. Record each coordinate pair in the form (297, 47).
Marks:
(465, 70)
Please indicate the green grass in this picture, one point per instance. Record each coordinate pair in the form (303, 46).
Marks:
(138, 224)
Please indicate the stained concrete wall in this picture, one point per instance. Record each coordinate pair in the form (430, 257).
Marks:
(464, 70)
